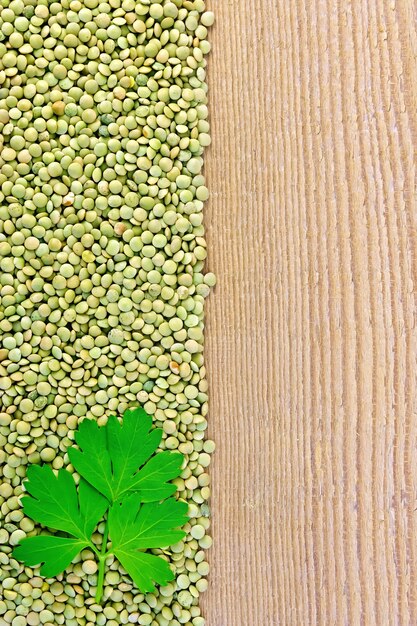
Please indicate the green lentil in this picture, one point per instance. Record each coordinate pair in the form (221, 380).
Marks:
(103, 108)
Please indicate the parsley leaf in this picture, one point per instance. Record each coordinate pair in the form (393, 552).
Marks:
(54, 502)
(151, 525)
(114, 458)
(55, 553)
(120, 476)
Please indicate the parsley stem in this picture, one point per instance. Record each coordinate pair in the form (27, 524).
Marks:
(102, 563)
(94, 549)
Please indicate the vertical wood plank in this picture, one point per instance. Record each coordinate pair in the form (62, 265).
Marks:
(311, 332)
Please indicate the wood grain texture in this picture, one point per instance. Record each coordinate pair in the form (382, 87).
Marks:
(311, 332)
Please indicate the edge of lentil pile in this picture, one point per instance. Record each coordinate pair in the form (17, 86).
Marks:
(103, 126)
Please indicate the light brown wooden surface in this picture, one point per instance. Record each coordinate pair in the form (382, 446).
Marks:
(311, 332)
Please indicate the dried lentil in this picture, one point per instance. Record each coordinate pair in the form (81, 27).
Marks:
(103, 125)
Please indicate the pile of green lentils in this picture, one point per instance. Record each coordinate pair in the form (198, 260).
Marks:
(103, 125)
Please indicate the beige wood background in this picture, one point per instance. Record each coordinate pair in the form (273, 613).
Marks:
(311, 338)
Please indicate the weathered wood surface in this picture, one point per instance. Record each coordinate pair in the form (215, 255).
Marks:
(311, 332)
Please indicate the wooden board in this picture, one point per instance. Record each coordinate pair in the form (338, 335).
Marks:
(311, 332)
